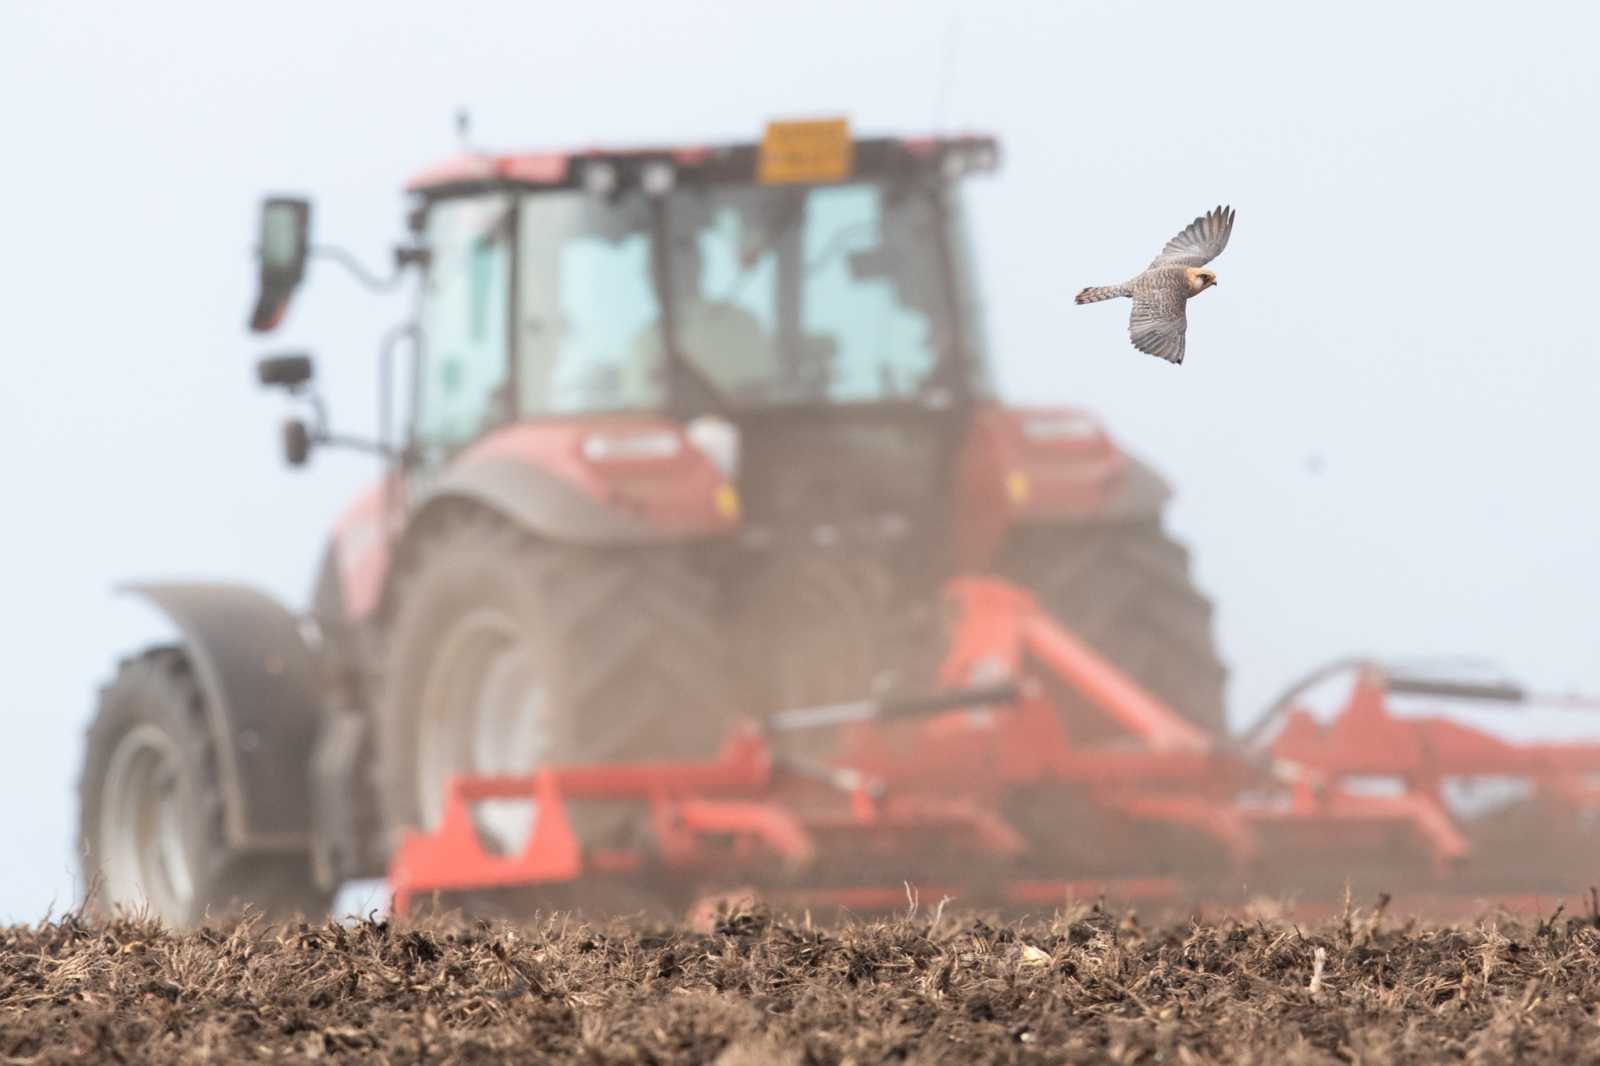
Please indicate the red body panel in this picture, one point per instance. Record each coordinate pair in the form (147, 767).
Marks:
(361, 549)
(675, 494)
(1029, 465)
(539, 168)
(1064, 463)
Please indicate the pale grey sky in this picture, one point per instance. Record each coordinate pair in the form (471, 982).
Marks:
(1384, 437)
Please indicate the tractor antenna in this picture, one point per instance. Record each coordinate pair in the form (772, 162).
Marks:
(947, 68)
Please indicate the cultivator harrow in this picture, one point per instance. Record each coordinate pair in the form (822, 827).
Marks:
(1040, 773)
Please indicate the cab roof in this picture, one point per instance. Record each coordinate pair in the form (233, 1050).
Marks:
(734, 163)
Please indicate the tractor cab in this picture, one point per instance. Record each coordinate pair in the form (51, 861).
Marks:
(804, 306)
(807, 271)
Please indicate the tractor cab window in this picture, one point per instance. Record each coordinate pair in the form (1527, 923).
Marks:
(464, 317)
(589, 320)
(827, 294)
(780, 295)
(869, 289)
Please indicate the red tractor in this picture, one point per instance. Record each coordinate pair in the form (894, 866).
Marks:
(693, 432)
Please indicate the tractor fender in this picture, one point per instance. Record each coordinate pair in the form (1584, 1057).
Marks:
(259, 680)
(1140, 493)
(539, 477)
(546, 477)
(542, 502)
(1052, 466)
(1044, 467)
(529, 497)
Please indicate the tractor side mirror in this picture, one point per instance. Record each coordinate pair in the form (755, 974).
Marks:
(289, 371)
(292, 372)
(283, 243)
(296, 442)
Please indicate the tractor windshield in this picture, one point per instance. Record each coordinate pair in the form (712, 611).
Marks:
(780, 295)
(826, 294)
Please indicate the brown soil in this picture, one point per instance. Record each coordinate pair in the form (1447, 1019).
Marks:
(1089, 986)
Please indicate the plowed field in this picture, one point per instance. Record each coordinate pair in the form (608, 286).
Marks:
(1090, 986)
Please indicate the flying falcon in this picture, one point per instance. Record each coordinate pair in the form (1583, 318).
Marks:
(1157, 324)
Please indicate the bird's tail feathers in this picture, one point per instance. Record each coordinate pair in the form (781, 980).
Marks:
(1095, 293)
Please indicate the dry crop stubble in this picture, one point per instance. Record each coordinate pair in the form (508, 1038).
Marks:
(1086, 986)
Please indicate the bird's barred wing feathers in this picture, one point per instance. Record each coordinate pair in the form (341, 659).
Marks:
(1157, 326)
(1200, 242)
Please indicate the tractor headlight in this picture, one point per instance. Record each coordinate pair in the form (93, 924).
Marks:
(599, 179)
(718, 439)
(970, 158)
(657, 178)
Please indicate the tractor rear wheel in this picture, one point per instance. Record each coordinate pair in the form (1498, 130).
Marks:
(505, 653)
(1126, 590)
(151, 808)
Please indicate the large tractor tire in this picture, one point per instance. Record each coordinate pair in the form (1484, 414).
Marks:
(151, 808)
(505, 653)
(1126, 590)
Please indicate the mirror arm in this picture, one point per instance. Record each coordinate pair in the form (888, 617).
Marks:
(320, 435)
(404, 257)
(323, 438)
(319, 412)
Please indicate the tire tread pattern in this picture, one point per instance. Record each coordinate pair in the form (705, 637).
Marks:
(1127, 590)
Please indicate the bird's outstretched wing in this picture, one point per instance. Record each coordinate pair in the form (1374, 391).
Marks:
(1200, 242)
(1158, 326)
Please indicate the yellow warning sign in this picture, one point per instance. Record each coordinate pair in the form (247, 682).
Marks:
(814, 150)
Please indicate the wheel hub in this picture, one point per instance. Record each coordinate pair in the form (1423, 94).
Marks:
(144, 855)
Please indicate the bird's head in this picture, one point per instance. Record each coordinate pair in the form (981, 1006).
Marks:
(1200, 280)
